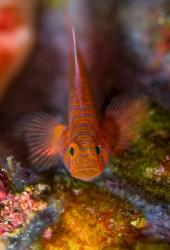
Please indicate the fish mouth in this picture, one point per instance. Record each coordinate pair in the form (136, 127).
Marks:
(87, 174)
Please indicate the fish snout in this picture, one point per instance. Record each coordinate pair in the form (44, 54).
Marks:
(87, 167)
(86, 174)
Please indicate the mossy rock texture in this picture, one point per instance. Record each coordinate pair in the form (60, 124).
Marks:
(147, 163)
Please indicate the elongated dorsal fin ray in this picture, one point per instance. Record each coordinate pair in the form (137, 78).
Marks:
(80, 90)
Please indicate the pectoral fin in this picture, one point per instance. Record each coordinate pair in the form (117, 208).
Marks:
(123, 119)
(42, 134)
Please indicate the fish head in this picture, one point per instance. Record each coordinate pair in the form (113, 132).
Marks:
(85, 160)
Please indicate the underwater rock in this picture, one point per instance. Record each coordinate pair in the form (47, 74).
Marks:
(18, 175)
(5, 185)
(146, 27)
(91, 218)
(157, 214)
(23, 216)
(3, 243)
(152, 246)
(17, 210)
(147, 162)
(33, 231)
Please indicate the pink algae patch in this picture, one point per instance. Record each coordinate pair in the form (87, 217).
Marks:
(17, 210)
(163, 171)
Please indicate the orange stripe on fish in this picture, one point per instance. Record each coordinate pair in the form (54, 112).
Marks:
(85, 144)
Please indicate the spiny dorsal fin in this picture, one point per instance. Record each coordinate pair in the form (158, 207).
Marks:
(79, 80)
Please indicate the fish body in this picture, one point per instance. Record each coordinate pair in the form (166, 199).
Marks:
(86, 143)
(83, 128)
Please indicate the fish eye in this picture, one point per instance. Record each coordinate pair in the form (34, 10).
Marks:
(71, 151)
(98, 150)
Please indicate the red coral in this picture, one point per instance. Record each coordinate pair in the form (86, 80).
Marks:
(9, 19)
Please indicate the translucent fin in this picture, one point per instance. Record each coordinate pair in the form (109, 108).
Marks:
(42, 134)
(123, 119)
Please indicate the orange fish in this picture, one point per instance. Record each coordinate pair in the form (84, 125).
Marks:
(86, 143)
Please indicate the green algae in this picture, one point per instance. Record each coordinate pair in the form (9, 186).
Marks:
(152, 246)
(144, 163)
(57, 3)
